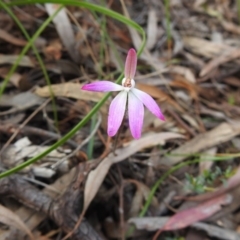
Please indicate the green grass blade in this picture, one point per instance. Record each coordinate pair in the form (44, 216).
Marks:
(25, 49)
(90, 146)
(41, 63)
(96, 8)
(167, 174)
(172, 170)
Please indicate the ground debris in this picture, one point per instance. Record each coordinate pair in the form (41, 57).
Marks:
(182, 175)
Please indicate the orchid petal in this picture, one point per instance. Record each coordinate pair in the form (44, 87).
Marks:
(116, 113)
(102, 86)
(149, 102)
(131, 64)
(135, 114)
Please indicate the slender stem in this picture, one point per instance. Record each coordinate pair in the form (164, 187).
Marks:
(89, 6)
(165, 176)
(91, 142)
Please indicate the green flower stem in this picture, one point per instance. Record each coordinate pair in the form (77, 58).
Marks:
(90, 146)
(41, 63)
(91, 142)
(89, 6)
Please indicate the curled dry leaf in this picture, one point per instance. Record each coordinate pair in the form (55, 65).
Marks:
(231, 27)
(64, 29)
(185, 72)
(15, 77)
(141, 194)
(190, 87)
(96, 177)
(187, 217)
(11, 59)
(222, 133)
(205, 48)
(206, 165)
(13, 154)
(226, 57)
(149, 223)
(159, 94)
(11, 39)
(152, 28)
(71, 90)
(10, 218)
(94, 181)
(154, 223)
(21, 101)
(54, 50)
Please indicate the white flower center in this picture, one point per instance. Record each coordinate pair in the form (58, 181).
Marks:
(128, 83)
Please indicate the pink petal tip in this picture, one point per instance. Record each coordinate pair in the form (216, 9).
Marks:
(102, 86)
(131, 64)
(135, 114)
(116, 113)
(149, 102)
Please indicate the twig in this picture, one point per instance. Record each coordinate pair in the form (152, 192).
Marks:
(54, 166)
(62, 212)
(107, 147)
(23, 124)
(33, 130)
(179, 120)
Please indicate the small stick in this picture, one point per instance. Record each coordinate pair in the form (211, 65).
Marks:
(23, 124)
(54, 166)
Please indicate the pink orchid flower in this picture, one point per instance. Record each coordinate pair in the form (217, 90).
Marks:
(128, 95)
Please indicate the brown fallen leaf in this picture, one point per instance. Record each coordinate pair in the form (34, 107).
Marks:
(54, 50)
(234, 81)
(185, 72)
(33, 218)
(10, 218)
(15, 77)
(206, 165)
(205, 48)
(64, 29)
(152, 28)
(231, 27)
(142, 193)
(187, 217)
(96, 176)
(11, 39)
(11, 59)
(190, 87)
(71, 90)
(21, 100)
(159, 94)
(222, 133)
(219, 60)
(154, 223)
